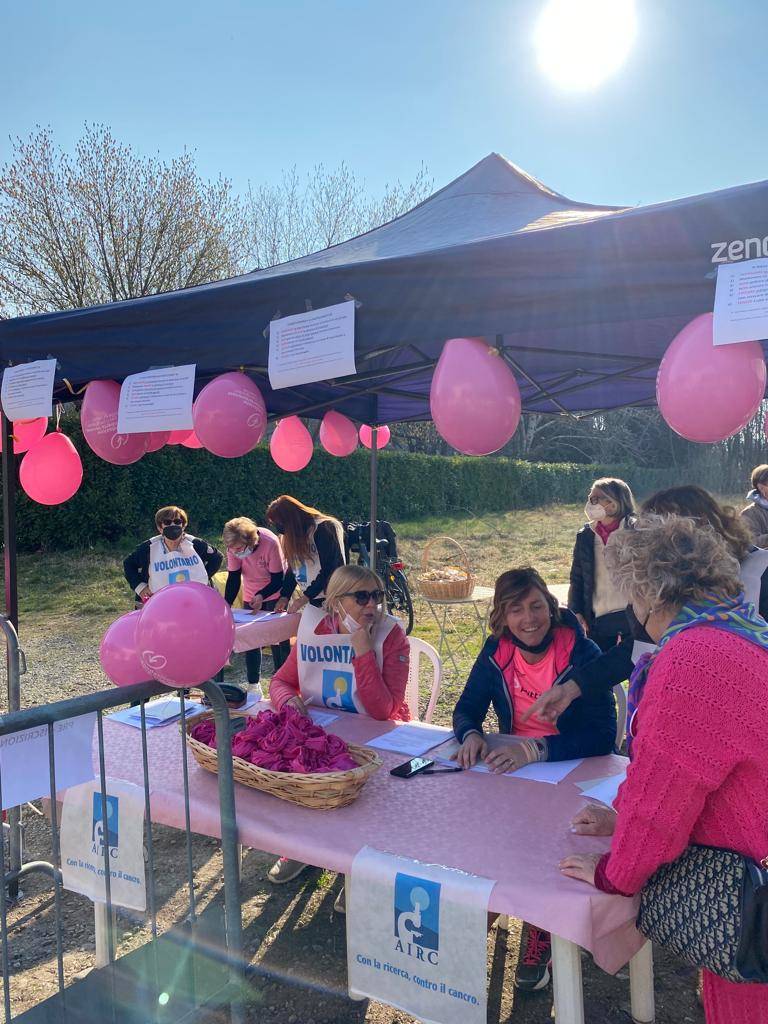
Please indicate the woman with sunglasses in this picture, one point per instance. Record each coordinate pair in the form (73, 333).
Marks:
(172, 556)
(349, 656)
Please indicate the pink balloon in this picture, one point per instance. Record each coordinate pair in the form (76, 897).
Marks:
(51, 471)
(177, 436)
(229, 415)
(98, 418)
(474, 398)
(382, 436)
(117, 652)
(338, 434)
(157, 440)
(291, 444)
(192, 440)
(26, 433)
(185, 634)
(707, 393)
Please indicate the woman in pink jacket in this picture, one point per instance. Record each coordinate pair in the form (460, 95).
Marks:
(699, 770)
(349, 656)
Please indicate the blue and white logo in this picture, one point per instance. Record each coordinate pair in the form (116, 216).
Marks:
(102, 829)
(417, 916)
(301, 573)
(337, 689)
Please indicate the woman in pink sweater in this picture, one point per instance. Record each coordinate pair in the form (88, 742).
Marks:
(699, 770)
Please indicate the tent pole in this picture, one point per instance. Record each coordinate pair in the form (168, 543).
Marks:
(11, 627)
(374, 492)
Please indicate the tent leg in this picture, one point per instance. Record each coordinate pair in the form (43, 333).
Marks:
(12, 614)
(374, 492)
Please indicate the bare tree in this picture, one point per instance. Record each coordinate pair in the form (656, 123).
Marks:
(106, 224)
(303, 215)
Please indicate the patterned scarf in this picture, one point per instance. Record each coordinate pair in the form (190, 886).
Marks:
(734, 614)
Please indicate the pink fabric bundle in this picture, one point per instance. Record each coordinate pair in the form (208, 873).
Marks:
(284, 741)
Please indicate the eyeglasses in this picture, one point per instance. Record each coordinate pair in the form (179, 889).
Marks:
(364, 596)
(173, 522)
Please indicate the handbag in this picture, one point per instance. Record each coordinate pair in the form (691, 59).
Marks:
(710, 907)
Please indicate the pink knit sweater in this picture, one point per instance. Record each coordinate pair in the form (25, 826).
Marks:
(699, 774)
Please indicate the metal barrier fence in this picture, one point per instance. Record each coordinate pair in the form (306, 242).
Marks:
(148, 995)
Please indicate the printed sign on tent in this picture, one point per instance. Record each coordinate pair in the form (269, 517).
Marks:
(741, 302)
(89, 824)
(159, 399)
(24, 771)
(313, 346)
(27, 390)
(417, 937)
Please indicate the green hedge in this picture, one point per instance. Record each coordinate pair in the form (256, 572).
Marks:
(118, 502)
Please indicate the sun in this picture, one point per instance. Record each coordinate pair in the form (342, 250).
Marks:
(580, 43)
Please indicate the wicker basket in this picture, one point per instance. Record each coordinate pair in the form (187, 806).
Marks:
(322, 790)
(446, 590)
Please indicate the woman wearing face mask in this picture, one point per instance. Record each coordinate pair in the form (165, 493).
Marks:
(592, 597)
(756, 513)
(172, 556)
(255, 562)
(532, 641)
(350, 656)
(313, 544)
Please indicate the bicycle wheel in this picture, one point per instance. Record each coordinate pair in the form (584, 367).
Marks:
(399, 597)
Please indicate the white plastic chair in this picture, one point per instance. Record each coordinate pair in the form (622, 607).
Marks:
(621, 713)
(421, 649)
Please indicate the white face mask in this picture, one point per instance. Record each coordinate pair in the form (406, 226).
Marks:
(244, 553)
(351, 625)
(594, 513)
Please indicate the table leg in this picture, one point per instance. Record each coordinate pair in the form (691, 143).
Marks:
(102, 924)
(566, 981)
(641, 997)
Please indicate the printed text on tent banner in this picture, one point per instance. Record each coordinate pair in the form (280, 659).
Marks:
(417, 937)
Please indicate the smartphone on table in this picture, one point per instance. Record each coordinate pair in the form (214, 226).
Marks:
(416, 764)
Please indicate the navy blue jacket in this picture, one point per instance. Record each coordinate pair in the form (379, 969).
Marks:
(587, 728)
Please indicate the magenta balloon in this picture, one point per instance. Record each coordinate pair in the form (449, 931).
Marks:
(229, 415)
(185, 634)
(474, 398)
(338, 434)
(26, 433)
(707, 393)
(157, 440)
(382, 436)
(178, 436)
(98, 418)
(117, 652)
(291, 444)
(51, 471)
(192, 440)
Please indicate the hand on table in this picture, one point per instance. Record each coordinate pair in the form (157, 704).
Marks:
(282, 604)
(511, 756)
(553, 703)
(298, 603)
(298, 704)
(581, 866)
(594, 820)
(256, 603)
(473, 749)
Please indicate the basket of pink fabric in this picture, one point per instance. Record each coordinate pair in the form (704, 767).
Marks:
(286, 754)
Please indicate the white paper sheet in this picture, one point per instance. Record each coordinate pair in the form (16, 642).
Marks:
(27, 389)
(157, 713)
(604, 790)
(323, 718)
(551, 772)
(242, 616)
(741, 302)
(412, 739)
(307, 347)
(24, 759)
(157, 400)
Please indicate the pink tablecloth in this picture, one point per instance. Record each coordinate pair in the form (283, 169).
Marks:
(263, 633)
(511, 830)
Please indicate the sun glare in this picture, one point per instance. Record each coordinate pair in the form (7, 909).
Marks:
(580, 43)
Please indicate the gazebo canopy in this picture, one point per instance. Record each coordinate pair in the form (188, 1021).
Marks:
(583, 300)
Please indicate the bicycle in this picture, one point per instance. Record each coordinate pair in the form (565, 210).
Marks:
(388, 565)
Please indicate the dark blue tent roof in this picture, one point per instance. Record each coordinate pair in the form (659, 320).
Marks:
(583, 299)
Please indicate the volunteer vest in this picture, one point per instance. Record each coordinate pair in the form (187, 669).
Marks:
(325, 661)
(308, 570)
(183, 565)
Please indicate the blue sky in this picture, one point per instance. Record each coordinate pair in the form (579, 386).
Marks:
(254, 87)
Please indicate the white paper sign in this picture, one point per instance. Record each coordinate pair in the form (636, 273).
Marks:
(24, 772)
(307, 347)
(86, 829)
(413, 739)
(27, 390)
(741, 302)
(417, 937)
(157, 400)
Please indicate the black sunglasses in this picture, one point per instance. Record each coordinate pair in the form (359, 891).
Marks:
(172, 522)
(364, 596)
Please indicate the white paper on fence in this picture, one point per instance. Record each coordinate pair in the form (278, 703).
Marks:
(24, 771)
(83, 835)
(159, 399)
(322, 717)
(417, 937)
(27, 389)
(605, 790)
(413, 739)
(307, 347)
(741, 302)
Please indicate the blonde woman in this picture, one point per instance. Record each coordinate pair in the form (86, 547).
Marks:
(349, 656)
(313, 544)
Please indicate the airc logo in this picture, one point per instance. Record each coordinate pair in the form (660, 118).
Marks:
(105, 825)
(417, 917)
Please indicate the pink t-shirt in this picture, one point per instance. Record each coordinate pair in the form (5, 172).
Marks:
(267, 557)
(528, 682)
